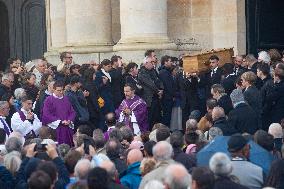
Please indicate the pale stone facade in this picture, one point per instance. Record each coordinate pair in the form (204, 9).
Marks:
(97, 29)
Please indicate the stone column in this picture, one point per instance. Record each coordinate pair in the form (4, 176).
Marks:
(88, 24)
(143, 25)
(229, 24)
(56, 23)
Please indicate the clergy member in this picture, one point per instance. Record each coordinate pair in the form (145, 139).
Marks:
(25, 121)
(133, 111)
(59, 114)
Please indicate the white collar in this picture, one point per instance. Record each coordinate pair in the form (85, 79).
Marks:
(57, 96)
(232, 74)
(24, 111)
(107, 74)
(215, 69)
(47, 92)
(112, 127)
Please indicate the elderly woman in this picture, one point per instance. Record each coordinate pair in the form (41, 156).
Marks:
(12, 162)
(19, 94)
(220, 164)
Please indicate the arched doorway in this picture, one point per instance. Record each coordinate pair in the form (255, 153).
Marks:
(4, 36)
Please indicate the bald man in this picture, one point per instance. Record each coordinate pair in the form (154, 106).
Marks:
(131, 178)
(220, 121)
(113, 174)
(176, 176)
(82, 169)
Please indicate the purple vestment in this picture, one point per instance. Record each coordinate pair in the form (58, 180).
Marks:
(59, 109)
(139, 108)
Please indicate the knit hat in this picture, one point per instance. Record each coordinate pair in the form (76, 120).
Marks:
(236, 143)
(237, 96)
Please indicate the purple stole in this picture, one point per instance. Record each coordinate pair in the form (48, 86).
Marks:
(127, 119)
(6, 127)
(23, 118)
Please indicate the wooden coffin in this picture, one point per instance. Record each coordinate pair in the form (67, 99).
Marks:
(200, 62)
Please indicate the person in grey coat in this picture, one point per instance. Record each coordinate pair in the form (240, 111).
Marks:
(152, 91)
(249, 174)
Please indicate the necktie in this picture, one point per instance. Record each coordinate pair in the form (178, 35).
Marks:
(6, 128)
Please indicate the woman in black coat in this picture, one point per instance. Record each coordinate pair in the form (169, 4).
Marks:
(130, 76)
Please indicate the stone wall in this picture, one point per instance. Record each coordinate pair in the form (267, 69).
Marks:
(97, 29)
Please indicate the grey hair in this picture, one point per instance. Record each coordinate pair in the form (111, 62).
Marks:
(275, 130)
(250, 58)
(174, 179)
(220, 164)
(19, 93)
(13, 144)
(5, 76)
(2, 104)
(217, 113)
(38, 61)
(264, 56)
(214, 132)
(154, 184)
(162, 151)
(82, 169)
(12, 161)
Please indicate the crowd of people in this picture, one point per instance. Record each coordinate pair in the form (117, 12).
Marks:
(112, 125)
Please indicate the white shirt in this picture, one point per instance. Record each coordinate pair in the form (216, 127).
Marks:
(25, 127)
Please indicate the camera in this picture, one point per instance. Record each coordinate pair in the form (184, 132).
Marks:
(40, 148)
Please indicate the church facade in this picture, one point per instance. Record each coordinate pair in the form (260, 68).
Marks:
(97, 29)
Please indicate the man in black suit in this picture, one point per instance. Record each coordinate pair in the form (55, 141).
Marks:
(228, 82)
(167, 79)
(116, 77)
(212, 77)
(238, 68)
(243, 118)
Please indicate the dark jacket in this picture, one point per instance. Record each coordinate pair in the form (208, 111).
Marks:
(226, 103)
(229, 83)
(133, 81)
(119, 164)
(131, 178)
(39, 103)
(4, 90)
(167, 79)
(79, 104)
(243, 118)
(222, 124)
(92, 102)
(151, 84)
(253, 98)
(275, 101)
(6, 178)
(208, 80)
(105, 92)
(27, 168)
(225, 183)
(189, 161)
(116, 86)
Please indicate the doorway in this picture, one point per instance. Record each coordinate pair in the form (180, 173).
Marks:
(4, 36)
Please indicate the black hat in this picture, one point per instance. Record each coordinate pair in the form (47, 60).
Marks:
(236, 143)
